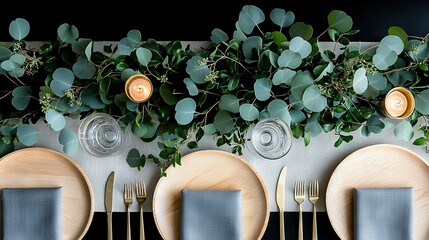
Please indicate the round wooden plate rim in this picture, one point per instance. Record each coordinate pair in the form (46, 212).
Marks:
(219, 152)
(82, 173)
(339, 229)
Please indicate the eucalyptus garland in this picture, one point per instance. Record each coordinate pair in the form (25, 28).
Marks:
(270, 66)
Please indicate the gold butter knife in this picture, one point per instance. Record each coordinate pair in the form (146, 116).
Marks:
(280, 199)
(108, 203)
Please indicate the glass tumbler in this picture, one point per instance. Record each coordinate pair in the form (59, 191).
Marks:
(270, 138)
(101, 136)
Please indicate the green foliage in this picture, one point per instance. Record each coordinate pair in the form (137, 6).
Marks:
(220, 90)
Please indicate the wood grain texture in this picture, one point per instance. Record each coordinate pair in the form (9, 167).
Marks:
(378, 166)
(43, 167)
(211, 170)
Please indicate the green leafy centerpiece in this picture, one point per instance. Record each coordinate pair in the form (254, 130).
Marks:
(270, 66)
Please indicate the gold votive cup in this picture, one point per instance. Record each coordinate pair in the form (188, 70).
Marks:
(138, 88)
(409, 98)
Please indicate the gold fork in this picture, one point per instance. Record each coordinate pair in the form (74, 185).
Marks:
(128, 200)
(141, 197)
(313, 196)
(299, 198)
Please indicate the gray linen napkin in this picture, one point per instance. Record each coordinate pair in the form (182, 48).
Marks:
(31, 213)
(211, 215)
(383, 213)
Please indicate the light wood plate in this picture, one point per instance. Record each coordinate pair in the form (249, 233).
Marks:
(377, 166)
(42, 167)
(211, 170)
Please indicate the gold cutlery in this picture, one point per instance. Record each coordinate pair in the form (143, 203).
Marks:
(280, 199)
(141, 198)
(313, 196)
(128, 200)
(108, 203)
(299, 198)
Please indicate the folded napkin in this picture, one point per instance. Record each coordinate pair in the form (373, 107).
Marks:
(31, 213)
(210, 215)
(383, 213)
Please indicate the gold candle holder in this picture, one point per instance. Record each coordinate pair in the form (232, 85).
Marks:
(398, 103)
(138, 88)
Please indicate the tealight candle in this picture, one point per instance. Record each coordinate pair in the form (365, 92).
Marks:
(398, 103)
(138, 88)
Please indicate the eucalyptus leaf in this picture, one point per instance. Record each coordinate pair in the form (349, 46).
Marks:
(125, 46)
(80, 45)
(340, 21)
(10, 65)
(134, 37)
(250, 45)
(238, 34)
(250, 16)
(300, 29)
(144, 56)
(83, 69)
(138, 130)
(190, 85)
(301, 46)
(55, 119)
(62, 80)
(67, 33)
(360, 81)
(404, 131)
(281, 18)
(273, 58)
(17, 72)
(289, 59)
(422, 102)
(223, 122)
(5, 53)
(18, 58)
(248, 112)
(384, 60)
(185, 110)
(313, 126)
(398, 78)
(69, 140)
(377, 81)
(262, 88)
(91, 97)
(279, 109)
(374, 124)
(27, 134)
(127, 73)
(398, 31)
(283, 76)
(393, 42)
(134, 159)
(279, 38)
(296, 116)
(210, 129)
(19, 28)
(300, 82)
(88, 51)
(328, 69)
(167, 95)
(218, 36)
(132, 106)
(21, 97)
(313, 99)
(230, 103)
(197, 69)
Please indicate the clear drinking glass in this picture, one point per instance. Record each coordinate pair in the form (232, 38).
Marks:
(100, 135)
(270, 138)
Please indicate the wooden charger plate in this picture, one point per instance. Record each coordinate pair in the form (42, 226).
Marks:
(211, 170)
(43, 167)
(378, 166)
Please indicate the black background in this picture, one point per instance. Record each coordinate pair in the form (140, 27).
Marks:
(194, 20)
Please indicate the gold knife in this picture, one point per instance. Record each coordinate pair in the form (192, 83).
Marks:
(108, 203)
(280, 199)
